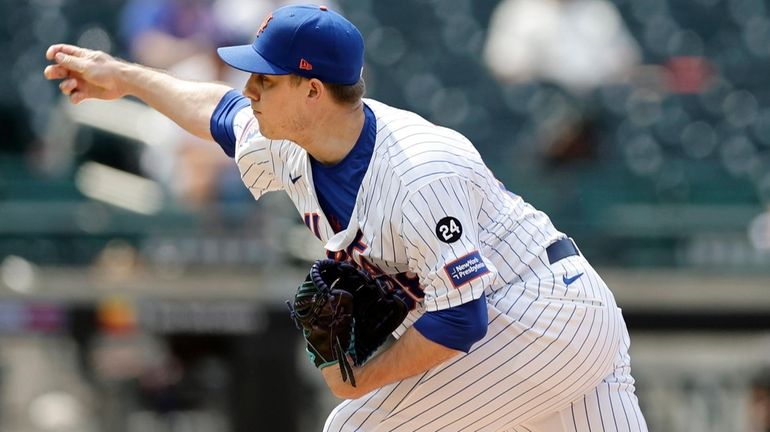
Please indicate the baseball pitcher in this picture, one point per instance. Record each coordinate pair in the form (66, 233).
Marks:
(501, 323)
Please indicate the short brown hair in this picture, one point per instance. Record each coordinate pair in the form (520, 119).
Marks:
(342, 93)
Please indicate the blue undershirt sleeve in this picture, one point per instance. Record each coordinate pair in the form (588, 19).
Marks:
(458, 327)
(221, 125)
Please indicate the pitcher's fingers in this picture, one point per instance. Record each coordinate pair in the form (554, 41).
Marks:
(72, 63)
(77, 96)
(68, 85)
(66, 49)
(53, 72)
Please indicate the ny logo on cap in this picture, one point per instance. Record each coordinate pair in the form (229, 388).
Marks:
(263, 26)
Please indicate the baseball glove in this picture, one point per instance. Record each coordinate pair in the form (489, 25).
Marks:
(345, 314)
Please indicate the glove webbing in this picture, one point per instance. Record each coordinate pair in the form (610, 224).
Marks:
(310, 291)
(346, 370)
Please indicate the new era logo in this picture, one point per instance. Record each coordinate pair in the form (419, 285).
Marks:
(305, 65)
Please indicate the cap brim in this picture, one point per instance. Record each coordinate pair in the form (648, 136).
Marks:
(247, 59)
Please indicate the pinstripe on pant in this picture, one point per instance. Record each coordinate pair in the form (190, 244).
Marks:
(549, 363)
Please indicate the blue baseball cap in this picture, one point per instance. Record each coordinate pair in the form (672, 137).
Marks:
(306, 40)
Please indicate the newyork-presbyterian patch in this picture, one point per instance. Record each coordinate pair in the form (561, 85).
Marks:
(465, 269)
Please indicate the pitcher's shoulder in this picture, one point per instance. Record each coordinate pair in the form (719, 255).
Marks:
(419, 151)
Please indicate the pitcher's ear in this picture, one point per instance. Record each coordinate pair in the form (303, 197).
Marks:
(316, 88)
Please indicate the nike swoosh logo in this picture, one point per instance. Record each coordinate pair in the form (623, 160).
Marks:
(568, 280)
(294, 179)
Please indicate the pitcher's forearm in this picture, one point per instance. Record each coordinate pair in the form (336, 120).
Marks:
(91, 74)
(410, 355)
(188, 103)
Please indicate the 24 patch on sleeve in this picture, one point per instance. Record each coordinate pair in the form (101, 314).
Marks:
(449, 229)
(465, 269)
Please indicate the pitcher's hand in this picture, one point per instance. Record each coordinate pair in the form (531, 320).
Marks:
(85, 73)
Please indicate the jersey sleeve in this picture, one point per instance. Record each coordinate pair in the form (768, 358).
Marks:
(222, 123)
(458, 327)
(440, 231)
(236, 130)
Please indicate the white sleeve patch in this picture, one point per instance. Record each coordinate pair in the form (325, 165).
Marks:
(441, 234)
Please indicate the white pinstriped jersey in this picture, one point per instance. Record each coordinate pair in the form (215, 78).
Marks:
(430, 216)
(427, 207)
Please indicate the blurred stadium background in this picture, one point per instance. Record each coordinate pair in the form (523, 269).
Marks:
(138, 278)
